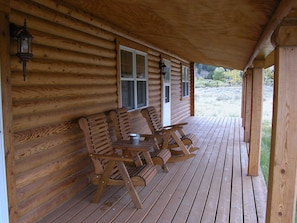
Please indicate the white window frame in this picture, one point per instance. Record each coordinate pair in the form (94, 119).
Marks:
(185, 81)
(134, 77)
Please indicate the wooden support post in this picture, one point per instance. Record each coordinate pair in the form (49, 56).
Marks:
(192, 89)
(281, 202)
(243, 99)
(248, 104)
(7, 108)
(256, 120)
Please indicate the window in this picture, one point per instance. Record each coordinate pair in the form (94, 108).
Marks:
(185, 81)
(134, 84)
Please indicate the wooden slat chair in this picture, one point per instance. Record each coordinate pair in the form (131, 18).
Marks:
(171, 137)
(109, 167)
(122, 125)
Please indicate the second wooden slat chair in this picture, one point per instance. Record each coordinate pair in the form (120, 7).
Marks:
(122, 125)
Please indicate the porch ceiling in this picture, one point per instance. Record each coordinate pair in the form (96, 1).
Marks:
(223, 33)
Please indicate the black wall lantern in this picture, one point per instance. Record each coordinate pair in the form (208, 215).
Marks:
(24, 45)
(163, 68)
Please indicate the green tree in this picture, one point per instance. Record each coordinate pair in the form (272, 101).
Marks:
(269, 76)
(209, 76)
(219, 74)
(233, 76)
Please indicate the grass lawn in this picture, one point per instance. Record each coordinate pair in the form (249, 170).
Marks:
(265, 148)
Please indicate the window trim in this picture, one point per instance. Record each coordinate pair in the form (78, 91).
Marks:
(185, 81)
(134, 77)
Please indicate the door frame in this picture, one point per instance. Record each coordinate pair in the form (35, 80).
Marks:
(166, 94)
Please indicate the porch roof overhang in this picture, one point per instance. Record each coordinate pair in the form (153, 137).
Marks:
(220, 33)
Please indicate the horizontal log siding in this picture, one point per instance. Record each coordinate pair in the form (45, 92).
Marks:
(138, 123)
(180, 106)
(72, 74)
(155, 90)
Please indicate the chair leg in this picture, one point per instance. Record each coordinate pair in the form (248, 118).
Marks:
(129, 185)
(189, 144)
(193, 149)
(137, 158)
(101, 187)
(165, 168)
(103, 181)
(148, 157)
(180, 143)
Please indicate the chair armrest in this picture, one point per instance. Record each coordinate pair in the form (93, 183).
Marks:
(147, 136)
(153, 136)
(172, 128)
(114, 156)
(176, 125)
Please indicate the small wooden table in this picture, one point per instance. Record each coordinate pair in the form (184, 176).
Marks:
(142, 147)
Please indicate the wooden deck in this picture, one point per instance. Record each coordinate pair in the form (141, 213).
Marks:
(211, 187)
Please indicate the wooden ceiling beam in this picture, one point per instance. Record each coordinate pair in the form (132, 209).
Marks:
(280, 13)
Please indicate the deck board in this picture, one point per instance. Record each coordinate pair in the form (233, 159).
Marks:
(200, 160)
(209, 215)
(153, 216)
(236, 212)
(211, 187)
(162, 202)
(224, 201)
(250, 212)
(208, 162)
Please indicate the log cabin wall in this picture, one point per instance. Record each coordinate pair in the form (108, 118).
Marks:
(73, 73)
(180, 105)
(154, 92)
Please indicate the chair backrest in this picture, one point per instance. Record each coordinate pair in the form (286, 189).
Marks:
(152, 118)
(97, 137)
(121, 121)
